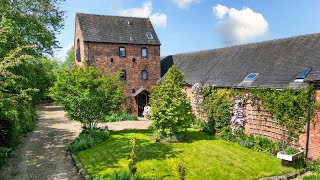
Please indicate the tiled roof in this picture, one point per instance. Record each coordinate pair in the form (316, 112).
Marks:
(115, 29)
(277, 63)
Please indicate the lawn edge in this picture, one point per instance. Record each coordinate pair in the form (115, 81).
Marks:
(79, 167)
(286, 176)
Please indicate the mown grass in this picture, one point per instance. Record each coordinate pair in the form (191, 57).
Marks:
(206, 158)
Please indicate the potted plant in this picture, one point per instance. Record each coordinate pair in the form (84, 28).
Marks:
(289, 154)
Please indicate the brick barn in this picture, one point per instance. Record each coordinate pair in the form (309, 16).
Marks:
(125, 44)
(291, 62)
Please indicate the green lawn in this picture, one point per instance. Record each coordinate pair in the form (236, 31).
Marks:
(206, 158)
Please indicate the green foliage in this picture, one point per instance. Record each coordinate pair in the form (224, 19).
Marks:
(29, 23)
(291, 151)
(171, 110)
(289, 107)
(88, 139)
(124, 175)
(217, 104)
(314, 166)
(4, 154)
(259, 144)
(311, 177)
(133, 158)
(120, 116)
(88, 95)
(69, 63)
(226, 133)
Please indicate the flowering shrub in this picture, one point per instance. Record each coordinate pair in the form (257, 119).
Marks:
(237, 119)
(146, 111)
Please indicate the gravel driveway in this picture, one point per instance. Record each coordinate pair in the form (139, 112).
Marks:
(43, 155)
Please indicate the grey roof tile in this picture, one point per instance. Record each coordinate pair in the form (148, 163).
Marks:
(277, 61)
(115, 29)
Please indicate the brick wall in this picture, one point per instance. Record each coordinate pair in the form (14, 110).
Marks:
(314, 135)
(259, 123)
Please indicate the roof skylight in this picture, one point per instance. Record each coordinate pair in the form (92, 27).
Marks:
(149, 35)
(303, 73)
(251, 77)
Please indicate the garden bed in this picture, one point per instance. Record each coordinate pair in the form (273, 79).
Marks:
(206, 158)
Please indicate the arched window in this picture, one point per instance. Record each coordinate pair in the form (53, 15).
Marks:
(144, 75)
(123, 75)
(144, 52)
(122, 51)
(78, 55)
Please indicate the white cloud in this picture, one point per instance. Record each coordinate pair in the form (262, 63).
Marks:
(239, 26)
(157, 19)
(184, 4)
(62, 53)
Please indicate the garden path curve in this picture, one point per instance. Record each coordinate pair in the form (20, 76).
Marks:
(43, 153)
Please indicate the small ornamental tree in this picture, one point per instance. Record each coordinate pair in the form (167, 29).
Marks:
(171, 109)
(88, 95)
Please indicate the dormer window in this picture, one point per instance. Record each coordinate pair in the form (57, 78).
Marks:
(149, 35)
(122, 52)
(144, 52)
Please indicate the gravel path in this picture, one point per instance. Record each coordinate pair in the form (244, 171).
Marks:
(43, 154)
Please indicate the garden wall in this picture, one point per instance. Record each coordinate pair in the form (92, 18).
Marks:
(259, 123)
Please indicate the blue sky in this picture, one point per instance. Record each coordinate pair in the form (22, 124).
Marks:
(191, 25)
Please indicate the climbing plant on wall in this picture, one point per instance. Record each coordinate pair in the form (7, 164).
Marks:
(288, 106)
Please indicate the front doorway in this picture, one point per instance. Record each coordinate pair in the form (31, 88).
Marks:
(142, 102)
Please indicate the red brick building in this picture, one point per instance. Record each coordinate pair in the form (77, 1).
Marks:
(125, 44)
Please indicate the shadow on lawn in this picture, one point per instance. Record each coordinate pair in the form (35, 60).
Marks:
(118, 148)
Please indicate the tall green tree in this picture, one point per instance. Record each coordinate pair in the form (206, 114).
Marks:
(170, 108)
(30, 23)
(69, 63)
(88, 95)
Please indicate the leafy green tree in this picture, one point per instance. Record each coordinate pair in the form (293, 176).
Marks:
(170, 108)
(88, 95)
(30, 23)
(69, 63)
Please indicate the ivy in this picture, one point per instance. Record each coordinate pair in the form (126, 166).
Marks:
(288, 106)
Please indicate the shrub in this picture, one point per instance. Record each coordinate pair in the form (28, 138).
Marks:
(314, 166)
(88, 139)
(226, 134)
(171, 111)
(88, 95)
(218, 104)
(122, 116)
(124, 175)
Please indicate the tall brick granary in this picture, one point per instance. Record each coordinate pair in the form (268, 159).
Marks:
(121, 44)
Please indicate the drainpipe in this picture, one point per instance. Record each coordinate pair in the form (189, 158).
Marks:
(308, 124)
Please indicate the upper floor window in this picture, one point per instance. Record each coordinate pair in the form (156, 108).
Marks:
(144, 52)
(122, 52)
(144, 75)
(78, 55)
(123, 75)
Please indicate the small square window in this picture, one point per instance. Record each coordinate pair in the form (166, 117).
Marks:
(144, 52)
(122, 52)
(149, 35)
(144, 75)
